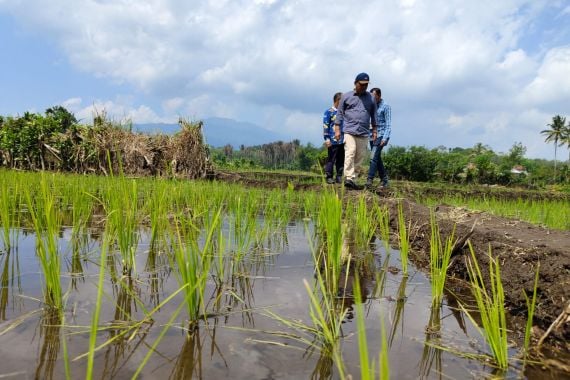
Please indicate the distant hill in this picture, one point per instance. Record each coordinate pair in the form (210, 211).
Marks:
(220, 131)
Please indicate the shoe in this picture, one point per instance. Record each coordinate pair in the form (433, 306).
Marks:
(351, 185)
(384, 184)
(330, 181)
(339, 179)
(369, 184)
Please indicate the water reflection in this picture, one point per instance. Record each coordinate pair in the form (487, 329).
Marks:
(432, 355)
(189, 361)
(9, 279)
(157, 266)
(49, 325)
(125, 334)
(397, 316)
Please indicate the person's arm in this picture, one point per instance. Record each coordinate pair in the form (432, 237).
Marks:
(388, 126)
(328, 134)
(339, 118)
(373, 120)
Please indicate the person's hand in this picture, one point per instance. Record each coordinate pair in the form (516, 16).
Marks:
(328, 143)
(337, 135)
(383, 143)
(374, 136)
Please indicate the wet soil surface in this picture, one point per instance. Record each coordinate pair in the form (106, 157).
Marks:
(518, 246)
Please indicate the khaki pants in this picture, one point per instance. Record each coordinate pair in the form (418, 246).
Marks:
(355, 148)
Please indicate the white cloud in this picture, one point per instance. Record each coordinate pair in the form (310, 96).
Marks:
(552, 83)
(115, 110)
(444, 66)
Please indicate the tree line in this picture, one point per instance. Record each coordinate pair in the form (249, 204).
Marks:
(479, 164)
(55, 140)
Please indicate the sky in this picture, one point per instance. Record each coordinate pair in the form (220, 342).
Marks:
(455, 72)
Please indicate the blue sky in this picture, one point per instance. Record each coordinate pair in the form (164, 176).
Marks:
(455, 72)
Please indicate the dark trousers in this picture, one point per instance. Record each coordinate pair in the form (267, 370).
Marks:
(376, 164)
(335, 158)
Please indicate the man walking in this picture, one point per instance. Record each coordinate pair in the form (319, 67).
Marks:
(356, 112)
(384, 123)
(335, 147)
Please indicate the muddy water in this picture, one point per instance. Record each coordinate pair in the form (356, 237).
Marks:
(239, 341)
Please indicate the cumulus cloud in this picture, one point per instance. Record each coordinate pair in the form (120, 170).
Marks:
(443, 65)
(552, 83)
(116, 110)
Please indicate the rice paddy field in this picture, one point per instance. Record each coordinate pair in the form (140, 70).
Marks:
(116, 278)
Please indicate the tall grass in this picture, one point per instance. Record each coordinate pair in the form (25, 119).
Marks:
(491, 307)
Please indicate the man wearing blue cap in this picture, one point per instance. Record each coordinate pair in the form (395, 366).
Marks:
(356, 113)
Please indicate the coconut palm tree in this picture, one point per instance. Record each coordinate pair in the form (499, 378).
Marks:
(555, 133)
(566, 140)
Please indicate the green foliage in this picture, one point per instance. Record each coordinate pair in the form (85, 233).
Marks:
(275, 155)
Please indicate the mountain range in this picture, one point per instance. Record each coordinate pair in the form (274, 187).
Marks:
(220, 131)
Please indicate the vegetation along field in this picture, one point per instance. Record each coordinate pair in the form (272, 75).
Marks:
(198, 272)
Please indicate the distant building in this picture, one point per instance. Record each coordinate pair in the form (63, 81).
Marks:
(519, 169)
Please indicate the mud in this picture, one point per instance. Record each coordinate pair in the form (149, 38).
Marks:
(519, 247)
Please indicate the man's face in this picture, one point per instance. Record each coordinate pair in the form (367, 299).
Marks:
(360, 87)
(376, 97)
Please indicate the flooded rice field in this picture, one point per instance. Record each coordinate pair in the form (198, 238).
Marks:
(239, 338)
(120, 278)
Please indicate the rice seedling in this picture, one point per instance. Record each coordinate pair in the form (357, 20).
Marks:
(122, 210)
(9, 203)
(491, 307)
(367, 367)
(156, 208)
(383, 217)
(193, 264)
(404, 239)
(530, 305)
(327, 316)
(46, 219)
(332, 233)
(440, 255)
(364, 225)
(107, 238)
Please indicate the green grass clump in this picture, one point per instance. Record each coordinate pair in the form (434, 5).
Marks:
(491, 307)
(440, 255)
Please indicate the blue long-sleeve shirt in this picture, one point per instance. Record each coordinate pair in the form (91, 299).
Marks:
(328, 127)
(383, 121)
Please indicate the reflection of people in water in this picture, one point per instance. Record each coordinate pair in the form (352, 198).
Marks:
(359, 265)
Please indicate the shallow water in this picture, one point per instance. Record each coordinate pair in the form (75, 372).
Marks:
(239, 339)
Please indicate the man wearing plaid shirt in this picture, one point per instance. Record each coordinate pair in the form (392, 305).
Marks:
(384, 123)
